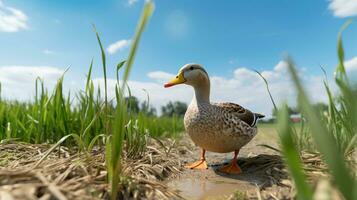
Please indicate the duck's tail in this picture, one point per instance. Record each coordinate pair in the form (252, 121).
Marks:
(257, 116)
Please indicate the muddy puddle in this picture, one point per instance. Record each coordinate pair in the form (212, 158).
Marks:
(261, 166)
(213, 188)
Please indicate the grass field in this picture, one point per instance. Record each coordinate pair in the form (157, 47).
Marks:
(332, 134)
(89, 119)
(120, 142)
(268, 131)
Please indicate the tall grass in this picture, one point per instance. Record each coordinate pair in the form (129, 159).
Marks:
(122, 125)
(47, 118)
(333, 134)
(82, 119)
(52, 115)
(291, 154)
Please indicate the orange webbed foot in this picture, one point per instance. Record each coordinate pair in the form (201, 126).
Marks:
(201, 164)
(232, 168)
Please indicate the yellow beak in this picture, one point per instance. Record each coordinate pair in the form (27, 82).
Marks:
(175, 81)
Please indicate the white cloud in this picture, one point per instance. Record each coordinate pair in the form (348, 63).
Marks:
(12, 19)
(343, 8)
(248, 89)
(159, 95)
(117, 46)
(132, 2)
(351, 69)
(18, 82)
(351, 65)
(282, 67)
(245, 87)
(48, 52)
(160, 76)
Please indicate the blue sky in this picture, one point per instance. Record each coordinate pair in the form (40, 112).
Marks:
(223, 36)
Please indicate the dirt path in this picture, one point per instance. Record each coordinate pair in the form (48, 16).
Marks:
(263, 173)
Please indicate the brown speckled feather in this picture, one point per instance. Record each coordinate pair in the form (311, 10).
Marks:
(219, 127)
(243, 114)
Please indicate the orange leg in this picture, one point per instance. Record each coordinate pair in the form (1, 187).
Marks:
(201, 164)
(233, 167)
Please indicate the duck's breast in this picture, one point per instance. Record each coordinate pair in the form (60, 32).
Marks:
(214, 130)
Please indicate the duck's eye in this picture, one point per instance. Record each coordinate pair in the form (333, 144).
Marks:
(191, 68)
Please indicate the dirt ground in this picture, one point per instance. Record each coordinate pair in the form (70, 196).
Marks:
(157, 174)
(263, 177)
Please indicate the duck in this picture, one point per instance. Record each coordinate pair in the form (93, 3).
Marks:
(216, 127)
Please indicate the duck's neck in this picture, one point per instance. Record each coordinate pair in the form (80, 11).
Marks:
(202, 92)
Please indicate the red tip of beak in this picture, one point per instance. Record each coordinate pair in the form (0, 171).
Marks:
(168, 85)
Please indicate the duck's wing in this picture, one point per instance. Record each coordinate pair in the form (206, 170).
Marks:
(243, 114)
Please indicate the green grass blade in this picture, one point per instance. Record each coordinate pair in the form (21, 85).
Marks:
(119, 66)
(147, 12)
(116, 143)
(341, 71)
(291, 155)
(104, 65)
(325, 141)
(267, 87)
(94, 140)
(52, 148)
(89, 76)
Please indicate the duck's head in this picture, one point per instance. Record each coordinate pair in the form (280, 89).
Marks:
(190, 74)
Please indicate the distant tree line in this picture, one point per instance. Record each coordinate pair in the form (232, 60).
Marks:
(320, 107)
(134, 106)
(176, 108)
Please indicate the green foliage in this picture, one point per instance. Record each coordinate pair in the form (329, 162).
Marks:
(41, 120)
(327, 143)
(174, 108)
(122, 124)
(147, 109)
(333, 133)
(86, 118)
(133, 104)
(291, 111)
(291, 154)
(329, 129)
